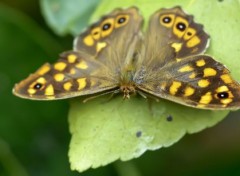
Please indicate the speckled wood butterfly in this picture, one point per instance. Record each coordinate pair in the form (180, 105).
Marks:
(113, 55)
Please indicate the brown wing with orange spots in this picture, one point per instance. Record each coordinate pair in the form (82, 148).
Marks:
(174, 28)
(113, 32)
(74, 74)
(197, 81)
(101, 53)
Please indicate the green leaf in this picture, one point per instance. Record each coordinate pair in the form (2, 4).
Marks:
(103, 132)
(67, 17)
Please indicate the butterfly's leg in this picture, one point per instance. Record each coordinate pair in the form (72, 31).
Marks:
(105, 93)
(147, 96)
(112, 95)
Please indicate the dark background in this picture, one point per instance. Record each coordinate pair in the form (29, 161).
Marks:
(34, 136)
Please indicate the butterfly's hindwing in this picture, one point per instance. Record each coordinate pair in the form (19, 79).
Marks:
(119, 25)
(197, 81)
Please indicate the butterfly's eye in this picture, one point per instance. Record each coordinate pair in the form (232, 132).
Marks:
(181, 26)
(223, 95)
(166, 20)
(37, 86)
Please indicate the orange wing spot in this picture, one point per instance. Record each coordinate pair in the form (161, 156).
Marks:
(177, 46)
(203, 83)
(193, 75)
(96, 33)
(44, 69)
(189, 33)
(82, 83)
(174, 87)
(67, 86)
(178, 59)
(226, 101)
(101, 45)
(200, 63)
(88, 40)
(226, 78)
(189, 91)
(186, 68)
(206, 99)
(41, 80)
(49, 90)
(195, 40)
(82, 65)
(60, 66)
(209, 72)
(222, 89)
(72, 58)
(59, 77)
(31, 91)
(72, 71)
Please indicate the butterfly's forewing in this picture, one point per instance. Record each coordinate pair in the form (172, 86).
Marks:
(72, 75)
(173, 27)
(93, 66)
(114, 32)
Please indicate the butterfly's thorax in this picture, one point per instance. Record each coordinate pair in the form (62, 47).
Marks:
(127, 85)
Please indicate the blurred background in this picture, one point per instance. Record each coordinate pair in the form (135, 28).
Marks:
(34, 136)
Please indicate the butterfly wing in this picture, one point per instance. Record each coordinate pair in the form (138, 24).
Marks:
(174, 35)
(74, 74)
(114, 32)
(197, 81)
(94, 65)
(169, 65)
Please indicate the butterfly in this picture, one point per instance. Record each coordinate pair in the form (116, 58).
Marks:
(114, 56)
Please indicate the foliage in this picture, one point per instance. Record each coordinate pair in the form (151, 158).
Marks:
(34, 135)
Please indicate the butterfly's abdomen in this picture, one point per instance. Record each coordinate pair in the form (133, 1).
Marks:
(127, 85)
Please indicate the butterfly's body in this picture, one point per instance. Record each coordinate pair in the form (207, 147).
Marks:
(113, 55)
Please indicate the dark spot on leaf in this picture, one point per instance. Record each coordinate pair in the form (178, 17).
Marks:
(220, 0)
(169, 118)
(138, 134)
